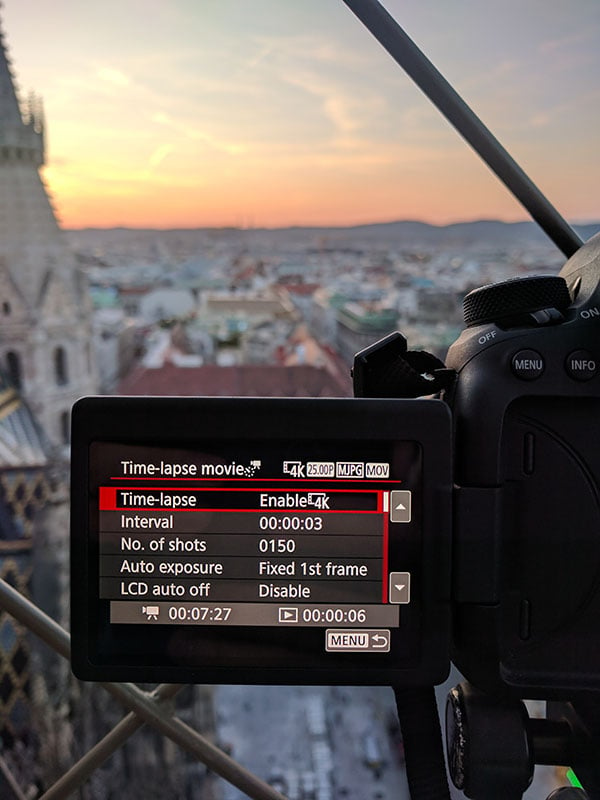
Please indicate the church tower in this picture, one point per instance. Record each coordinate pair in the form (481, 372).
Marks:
(45, 325)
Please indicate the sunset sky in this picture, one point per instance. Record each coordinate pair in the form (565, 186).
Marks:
(185, 113)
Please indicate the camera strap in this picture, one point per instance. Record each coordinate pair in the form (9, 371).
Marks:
(422, 737)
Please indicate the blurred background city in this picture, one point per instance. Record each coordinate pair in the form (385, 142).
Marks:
(233, 198)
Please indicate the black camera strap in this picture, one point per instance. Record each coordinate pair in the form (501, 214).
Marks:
(422, 737)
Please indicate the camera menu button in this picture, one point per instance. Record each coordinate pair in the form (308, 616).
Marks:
(581, 365)
(355, 640)
(527, 365)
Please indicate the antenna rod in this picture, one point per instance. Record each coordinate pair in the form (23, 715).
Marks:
(406, 53)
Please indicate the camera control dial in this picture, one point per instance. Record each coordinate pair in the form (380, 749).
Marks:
(513, 301)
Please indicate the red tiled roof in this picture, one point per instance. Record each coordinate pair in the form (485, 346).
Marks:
(300, 288)
(239, 381)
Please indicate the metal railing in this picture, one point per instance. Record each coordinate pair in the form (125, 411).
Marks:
(145, 708)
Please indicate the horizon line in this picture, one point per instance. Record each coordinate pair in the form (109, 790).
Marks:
(306, 226)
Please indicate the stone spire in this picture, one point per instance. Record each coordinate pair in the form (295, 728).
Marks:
(45, 326)
(21, 136)
(28, 227)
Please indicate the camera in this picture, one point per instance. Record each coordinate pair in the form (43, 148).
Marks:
(526, 411)
(526, 416)
(522, 381)
(372, 540)
(366, 540)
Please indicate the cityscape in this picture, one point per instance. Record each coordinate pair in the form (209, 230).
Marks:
(184, 311)
(197, 311)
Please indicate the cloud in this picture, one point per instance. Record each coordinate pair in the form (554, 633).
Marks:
(575, 43)
(343, 110)
(190, 132)
(113, 76)
(159, 155)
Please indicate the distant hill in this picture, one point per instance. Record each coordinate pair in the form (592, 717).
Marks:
(398, 233)
(478, 230)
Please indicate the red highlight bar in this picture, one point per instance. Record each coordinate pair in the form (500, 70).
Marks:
(107, 500)
(386, 579)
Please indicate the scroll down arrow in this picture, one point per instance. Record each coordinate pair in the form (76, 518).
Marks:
(399, 586)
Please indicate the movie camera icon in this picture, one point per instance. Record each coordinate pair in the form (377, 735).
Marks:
(151, 612)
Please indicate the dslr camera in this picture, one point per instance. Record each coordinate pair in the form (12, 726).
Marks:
(360, 541)
(523, 384)
(372, 540)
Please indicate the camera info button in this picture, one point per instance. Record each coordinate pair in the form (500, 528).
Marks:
(581, 365)
(527, 365)
(355, 640)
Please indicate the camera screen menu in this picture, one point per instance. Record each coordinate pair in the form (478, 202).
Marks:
(260, 541)
(272, 539)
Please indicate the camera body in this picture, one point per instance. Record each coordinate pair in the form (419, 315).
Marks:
(523, 384)
(526, 426)
(506, 583)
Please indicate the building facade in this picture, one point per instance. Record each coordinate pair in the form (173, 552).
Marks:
(45, 329)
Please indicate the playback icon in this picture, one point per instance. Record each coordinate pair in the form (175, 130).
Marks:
(288, 615)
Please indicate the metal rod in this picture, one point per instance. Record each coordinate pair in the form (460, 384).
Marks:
(190, 740)
(34, 618)
(406, 53)
(10, 779)
(142, 704)
(104, 749)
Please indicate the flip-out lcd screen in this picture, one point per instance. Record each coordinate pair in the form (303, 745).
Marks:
(260, 540)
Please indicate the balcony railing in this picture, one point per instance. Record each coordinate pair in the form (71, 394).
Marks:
(155, 709)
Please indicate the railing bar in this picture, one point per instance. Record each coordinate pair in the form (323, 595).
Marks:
(104, 749)
(135, 699)
(34, 618)
(190, 740)
(10, 779)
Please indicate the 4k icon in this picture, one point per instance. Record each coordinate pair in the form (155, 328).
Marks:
(294, 468)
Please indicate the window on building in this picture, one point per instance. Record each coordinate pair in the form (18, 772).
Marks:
(61, 374)
(13, 367)
(65, 427)
(6, 309)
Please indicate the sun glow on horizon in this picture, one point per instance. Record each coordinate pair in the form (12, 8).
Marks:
(216, 115)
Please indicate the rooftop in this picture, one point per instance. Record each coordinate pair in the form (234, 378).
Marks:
(245, 380)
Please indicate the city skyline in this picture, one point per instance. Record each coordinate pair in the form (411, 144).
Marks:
(276, 113)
